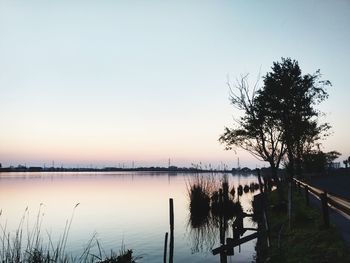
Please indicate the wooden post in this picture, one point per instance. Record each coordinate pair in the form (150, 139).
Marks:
(265, 184)
(307, 194)
(221, 219)
(267, 229)
(221, 199)
(290, 203)
(171, 213)
(260, 183)
(165, 246)
(325, 209)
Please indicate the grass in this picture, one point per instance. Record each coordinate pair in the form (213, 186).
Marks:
(200, 188)
(28, 245)
(203, 193)
(124, 256)
(307, 240)
(210, 197)
(213, 207)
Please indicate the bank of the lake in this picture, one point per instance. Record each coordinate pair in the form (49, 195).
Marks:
(307, 240)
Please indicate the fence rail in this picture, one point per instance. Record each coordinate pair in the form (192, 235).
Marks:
(327, 199)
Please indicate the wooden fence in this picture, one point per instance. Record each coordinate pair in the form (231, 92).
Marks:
(327, 199)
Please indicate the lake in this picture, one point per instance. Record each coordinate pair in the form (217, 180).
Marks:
(119, 208)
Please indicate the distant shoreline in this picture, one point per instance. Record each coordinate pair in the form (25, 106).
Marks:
(172, 169)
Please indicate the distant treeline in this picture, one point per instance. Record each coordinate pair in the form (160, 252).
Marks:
(23, 168)
(175, 169)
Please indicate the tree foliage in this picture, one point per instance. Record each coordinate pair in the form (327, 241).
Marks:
(255, 131)
(347, 162)
(316, 161)
(290, 97)
(280, 120)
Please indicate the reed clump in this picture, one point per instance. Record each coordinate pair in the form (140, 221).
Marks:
(124, 256)
(27, 245)
(211, 197)
(223, 203)
(200, 188)
(212, 204)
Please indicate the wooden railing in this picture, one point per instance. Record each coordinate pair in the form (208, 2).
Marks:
(327, 199)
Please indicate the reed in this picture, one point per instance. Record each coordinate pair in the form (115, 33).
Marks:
(124, 256)
(27, 244)
(200, 188)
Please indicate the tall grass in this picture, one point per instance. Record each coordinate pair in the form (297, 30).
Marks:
(200, 188)
(27, 244)
(124, 256)
(204, 184)
(211, 204)
(211, 196)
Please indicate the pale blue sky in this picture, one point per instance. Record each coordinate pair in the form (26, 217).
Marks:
(108, 82)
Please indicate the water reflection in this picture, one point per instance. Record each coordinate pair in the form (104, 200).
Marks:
(216, 213)
(129, 208)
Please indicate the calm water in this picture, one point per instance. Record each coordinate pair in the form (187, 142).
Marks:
(130, 208)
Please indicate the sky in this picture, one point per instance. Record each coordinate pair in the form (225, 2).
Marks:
(114, 82)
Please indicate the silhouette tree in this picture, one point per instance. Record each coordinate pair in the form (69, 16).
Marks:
(318, 161)
(256, 131)
(332, 156)
(279, 120)
(347, 162)
(290, 99)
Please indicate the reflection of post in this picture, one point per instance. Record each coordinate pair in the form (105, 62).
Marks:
(171, 250)
(263, 241)
(222, 226)
(223, 257)
(165, 246)
(221, 218)
(258, 214)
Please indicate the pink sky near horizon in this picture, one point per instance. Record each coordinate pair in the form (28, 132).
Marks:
(110, 83)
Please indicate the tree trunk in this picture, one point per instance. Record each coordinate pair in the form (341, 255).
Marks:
(291, 171)
(277, 181)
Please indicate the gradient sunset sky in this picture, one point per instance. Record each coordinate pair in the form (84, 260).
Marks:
(111, 82)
